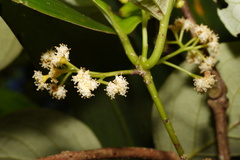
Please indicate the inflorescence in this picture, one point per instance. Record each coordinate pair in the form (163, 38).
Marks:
(204, 38)
(58, 64)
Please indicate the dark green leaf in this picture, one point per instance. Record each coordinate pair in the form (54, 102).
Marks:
(34, 133)
(157, 8)
(124, 121)
(126, 24)
(191, 117)
(38, 32)
(59, 10)
(11, 101)
(9, 45)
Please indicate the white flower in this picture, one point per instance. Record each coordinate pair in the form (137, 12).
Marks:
(203, 33)
(52, 58)
(62, 52)
(118, 86)
(193, 57)
(188, 24)
(207, 64)
(40, 80)
(204, 83)
(46, 59)
(58, 92)
(85, 83)
(213, 45)
(179, 23)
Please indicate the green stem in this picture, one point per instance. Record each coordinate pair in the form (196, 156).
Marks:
(102, 75)
(145, 17)
(106, 9)
(200, 54)
(181, 36)
(70, 66)
(161, 38)
(180, 50)
(132, 56)
(154, 94)
(130, 52)
(175, 35)
(113, 73)
(172, 42)
(181, 69)
(202, 148)
(65, 78)
(194, 39)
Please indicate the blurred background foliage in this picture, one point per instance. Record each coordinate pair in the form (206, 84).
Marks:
(119, 122)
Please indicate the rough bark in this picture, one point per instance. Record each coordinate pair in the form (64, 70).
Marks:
(107, 153)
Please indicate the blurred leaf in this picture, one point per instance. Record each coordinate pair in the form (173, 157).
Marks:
(129, 9)
(59, 10)
(157, 8)
(229, 68)
(38, 32)
(127, 24)
(9, 45)
(189, 113)
(230, 16)
(130, 23)
(124, 121)
(78, 2)
(11, 101)
(34, 133)
(206, 12)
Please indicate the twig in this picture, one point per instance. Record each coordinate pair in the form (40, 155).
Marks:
(188, 14)
(113, 153)
(218, 102)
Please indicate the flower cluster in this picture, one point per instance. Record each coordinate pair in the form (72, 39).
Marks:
(85, 83)
(205, 35)
(55, 58)
(204, 83)
(181, 23)
(204, 38)
(117, 86)
(57, 62)
(52, 60)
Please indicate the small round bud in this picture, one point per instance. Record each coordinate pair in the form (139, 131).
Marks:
(179, 3)
(123, 1)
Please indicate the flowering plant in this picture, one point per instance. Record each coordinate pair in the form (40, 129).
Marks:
(177, 40)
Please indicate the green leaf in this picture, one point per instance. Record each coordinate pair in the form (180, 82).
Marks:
(127, 24)
(229, 68)
(38, 32)
(57, 9)
(130, 23)
(189, 113)
(157, 8)
(124, 121)
(230, 16)
(11, 101)
(9, 45)
(205, 12)
(129, 9)
(34, 133)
